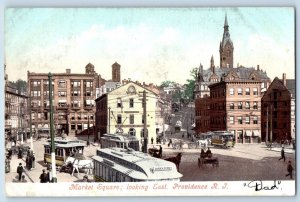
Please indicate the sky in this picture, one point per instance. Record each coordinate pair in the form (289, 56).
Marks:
(151, 44)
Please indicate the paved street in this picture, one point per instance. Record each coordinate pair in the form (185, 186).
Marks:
(243, 162)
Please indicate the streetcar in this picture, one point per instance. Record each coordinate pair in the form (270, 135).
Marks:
(63, 149)
(119, 140)
(126, 165)
(223, 139)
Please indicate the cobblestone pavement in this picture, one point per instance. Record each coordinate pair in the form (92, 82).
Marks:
(243, 162)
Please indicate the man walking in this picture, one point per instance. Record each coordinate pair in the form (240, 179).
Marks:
(282, 155)
(290, 170)
(20, 170)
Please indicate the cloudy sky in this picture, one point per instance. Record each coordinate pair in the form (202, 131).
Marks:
(151, 45)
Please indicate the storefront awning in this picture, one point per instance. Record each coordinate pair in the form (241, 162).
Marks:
(256, 133)
(248, 133)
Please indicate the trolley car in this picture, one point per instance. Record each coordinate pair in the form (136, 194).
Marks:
(119, 140)
(224, 139)
(127, 165)
(63, 149)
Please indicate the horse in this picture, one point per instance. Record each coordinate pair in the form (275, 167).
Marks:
(202, 142)
(176, 160)
(80, 164)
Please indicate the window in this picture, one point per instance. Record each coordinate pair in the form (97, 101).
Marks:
(247, 120)
(240, 105)
(75, 93)
(231, 105)
(35, 83)
(75, 83)
(62, 94)
(119, 119)
(255, 105)
(247, 105)
(247, 91)
(88, 93)
(231, 119)
(240, 91)
(255, 91)
(119, 103)
(240, 120)
(255, 120)
(131, 119)
(88, 84)
(231, 91)
(62, 84)
(131, 103)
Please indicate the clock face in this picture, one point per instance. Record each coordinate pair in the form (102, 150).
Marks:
(131, 89)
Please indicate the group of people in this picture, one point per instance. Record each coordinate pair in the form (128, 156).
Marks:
(289, 166)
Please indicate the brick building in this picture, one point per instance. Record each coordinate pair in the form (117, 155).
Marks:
(278, 111)
(73, 99)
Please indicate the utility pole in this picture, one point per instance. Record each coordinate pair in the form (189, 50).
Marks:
(267, 133)
(53, 161)
(88, 141)
(145, 123)
(31, 138)
(271, 132)
(108, 120)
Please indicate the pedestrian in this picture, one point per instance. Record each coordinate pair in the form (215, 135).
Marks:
(20, 170)
(151, 140)
(20, 153)
(290, 170)
(170, 142)
(44, 177)
(208, 153)
(282, 155)
(33, 160)
(160, 151)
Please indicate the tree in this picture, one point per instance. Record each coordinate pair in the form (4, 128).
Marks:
(167, 84)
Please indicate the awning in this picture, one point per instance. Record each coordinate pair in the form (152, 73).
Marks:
(248, 133)
(256, 133)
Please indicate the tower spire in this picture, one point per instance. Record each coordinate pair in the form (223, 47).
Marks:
(226, 47)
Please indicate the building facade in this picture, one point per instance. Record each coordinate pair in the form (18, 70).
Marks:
(121, 111)
(16, 110)
(235, 106)
(73, 98)
(277, 111)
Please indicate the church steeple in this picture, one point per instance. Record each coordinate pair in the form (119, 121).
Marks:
(226, 47)
(212, 64)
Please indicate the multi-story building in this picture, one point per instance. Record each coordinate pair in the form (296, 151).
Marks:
(235, 106)
(228, 98)
(16, 119)
(121, 111)
(73, 98)
(278, 111)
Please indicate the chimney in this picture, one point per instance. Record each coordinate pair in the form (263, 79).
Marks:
(284, 79)
(257, 67)
(68, 71)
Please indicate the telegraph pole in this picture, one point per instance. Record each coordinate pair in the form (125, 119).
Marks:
(145, 123)
(31, 138)
(108, 120)
(271, 132)
(53, 161)
(267, 133)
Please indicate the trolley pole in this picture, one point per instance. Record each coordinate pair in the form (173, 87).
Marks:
(54, 179)
(145, 123)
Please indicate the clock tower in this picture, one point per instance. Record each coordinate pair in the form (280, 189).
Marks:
(226, 48)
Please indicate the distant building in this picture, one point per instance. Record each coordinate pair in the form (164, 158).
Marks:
(73, 99)
(16, 119)
(121, 111)
(278, 111)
